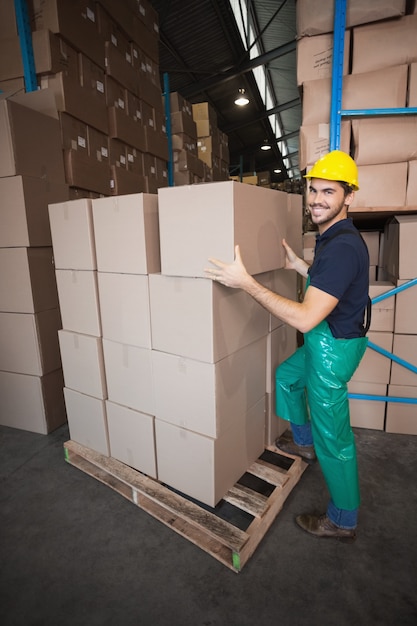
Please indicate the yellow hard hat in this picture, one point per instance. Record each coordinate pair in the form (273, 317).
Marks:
(336, 165)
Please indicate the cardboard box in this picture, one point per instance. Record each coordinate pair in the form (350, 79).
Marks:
(281, 344)
(372, 238)
(366, 413)
(87, 421)
(31, 140)
(315, 141)
(120, 68)
(29, 342)
(87, 172)
(199, 319)
(205, 397)
(202, 221)
(124, 182)
(127, 233)
(405, 307)
(375, 367)
(373, 191)
(381, 45)
(74, 133)
(401, 416)
(124, 127)
(411, 194)
(33, 403)
(399, 259)
(283, 282)
(385, 139)
(313, 20)
(73, 235)
(382, 314)
(78, 301)
(274, 426)
(132, 438)
(125, 309)
(83, 363)
(384, 88)
(405, 348)
(24, 219)
(27, 280)
(205, 468)
(129, 376)
(315, 56)
(8, 26)
(412, 85)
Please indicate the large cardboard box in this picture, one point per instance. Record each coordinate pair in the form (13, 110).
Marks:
(382, 313)
(384, 88)
(283, 282)
(125, 309)
(411, 195)
(24, 219)
(78, 301)
(29, 342)
(385, 139)
(412, 85)
(274, 426)
(86, 172)
(401, 416)
(127, 233)
(392, 42)
(33, 403)
(375, 367)
(132, 438)
(130, 377)
(405, 348)
(315, 141)
(83, 363)
(366, 413)
(281, 344)
(373, 191)
(208, 220)
(399, 260)
(87, 421)
(30, 139)
(314, 19)
(405, 308)
(205, 468)
(372, 238)
(73, 235)
(202, 320)
(205, 397)
(27, 280)
(315, 55)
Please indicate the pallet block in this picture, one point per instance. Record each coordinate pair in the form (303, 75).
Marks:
(256, 499)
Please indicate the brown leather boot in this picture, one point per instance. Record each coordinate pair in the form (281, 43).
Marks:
(286, 444)
(322, 526)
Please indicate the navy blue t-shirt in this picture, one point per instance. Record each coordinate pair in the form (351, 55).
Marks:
(341, 269)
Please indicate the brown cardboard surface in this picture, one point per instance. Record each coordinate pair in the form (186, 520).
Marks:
(412, 85)
(405, 307)
(284, 283)
(87, 172)
(281, 343)
(83, 363)
(78, 301)
(314, 57)
(401, 417)
(87, 420)
(385, 139)
(127, 233)
(404, 347)
(399, 260)
(373, 190)
(73, 235)
(411, 194)
(375, 367)
(365, 413)
(382, 318)
(315, 141)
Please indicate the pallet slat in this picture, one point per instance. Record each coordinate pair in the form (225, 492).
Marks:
(219, 538)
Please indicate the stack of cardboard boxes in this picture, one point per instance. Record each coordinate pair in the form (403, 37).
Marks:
(31, 176)
(164, 369)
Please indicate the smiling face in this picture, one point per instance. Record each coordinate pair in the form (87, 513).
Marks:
(328, 202)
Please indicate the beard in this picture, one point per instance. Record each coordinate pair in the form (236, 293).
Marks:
(322, 214)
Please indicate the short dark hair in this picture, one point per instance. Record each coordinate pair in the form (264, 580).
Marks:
(348, 189)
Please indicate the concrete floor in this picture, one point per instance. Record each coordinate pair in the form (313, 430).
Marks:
(73, 551)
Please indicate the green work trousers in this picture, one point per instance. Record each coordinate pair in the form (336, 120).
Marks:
(312, 385)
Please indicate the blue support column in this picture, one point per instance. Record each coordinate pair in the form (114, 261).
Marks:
(337, 73)
(25, 36)
(169, 130)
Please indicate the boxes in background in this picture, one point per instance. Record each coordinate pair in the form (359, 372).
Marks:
(405, 348)
(205, 468)
(412, 85)
(132, 438)
(399, 260)
(199, 319)
(274, 426)
(382, 315)
(83, 363)
(29, 342)
(202, 221)
(281, 343)
(385, 139)
(73, 235)
(315, 141)
(205, 397)
(411, 194)
(374, 191)
(87, 420)
(375, 367)
(315, 55)
(27, 280)
(280, 281)
(127, 233)
(365, 413)
(401, 416)
(78, 301)
(124, 308)
(405, 307)
(33, 403)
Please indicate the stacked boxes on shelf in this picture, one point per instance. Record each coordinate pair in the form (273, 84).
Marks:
(31, 176)
(212, 143)
(164, 369)
(188, 167)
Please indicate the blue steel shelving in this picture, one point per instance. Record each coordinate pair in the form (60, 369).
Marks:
(25, 37)
(336, 114)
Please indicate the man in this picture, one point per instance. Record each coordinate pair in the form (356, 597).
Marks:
(312, 384)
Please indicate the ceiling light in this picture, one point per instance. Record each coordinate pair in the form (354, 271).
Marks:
(241, 100)
(277, 171)
(265, 145)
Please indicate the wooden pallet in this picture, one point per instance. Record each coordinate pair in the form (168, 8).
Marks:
(274, 475)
